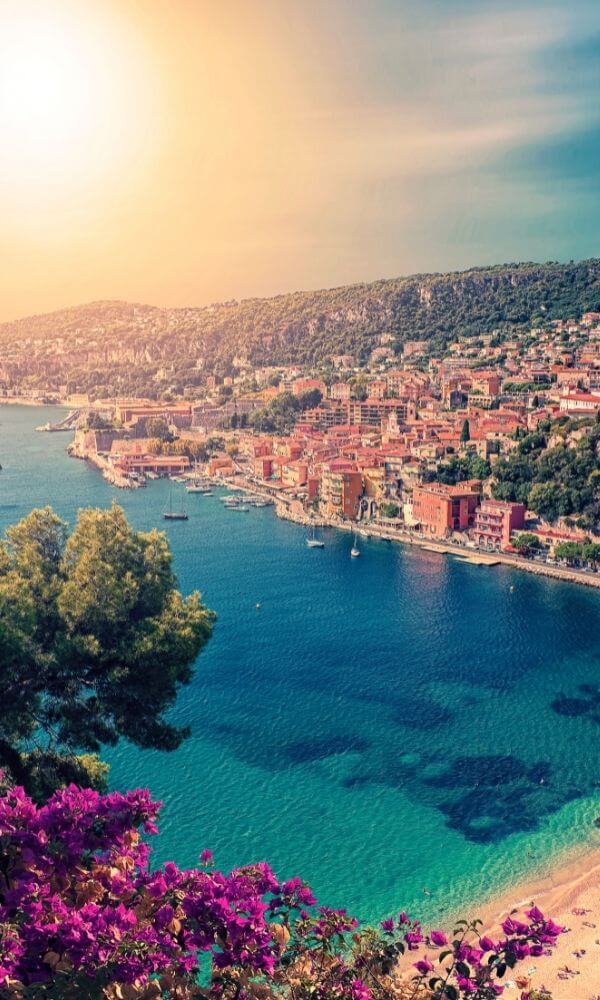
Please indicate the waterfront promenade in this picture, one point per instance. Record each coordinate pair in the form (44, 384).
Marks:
(293, 510)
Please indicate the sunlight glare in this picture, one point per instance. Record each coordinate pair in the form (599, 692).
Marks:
(69, 107)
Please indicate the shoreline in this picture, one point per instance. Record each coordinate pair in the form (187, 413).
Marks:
(569, 893)
(292, 510)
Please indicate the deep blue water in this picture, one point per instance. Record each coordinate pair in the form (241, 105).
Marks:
(384, 725)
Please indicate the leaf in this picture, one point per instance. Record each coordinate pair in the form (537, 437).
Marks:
(463, 968)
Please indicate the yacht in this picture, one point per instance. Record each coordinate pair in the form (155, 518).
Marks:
(354, 551)
(313, 542)
(174, 515)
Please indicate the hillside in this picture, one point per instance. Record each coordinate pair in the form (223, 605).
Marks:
(308, 327)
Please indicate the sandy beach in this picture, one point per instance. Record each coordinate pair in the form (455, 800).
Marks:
(570, 894)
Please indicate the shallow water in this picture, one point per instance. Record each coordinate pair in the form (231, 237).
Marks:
(403, 729)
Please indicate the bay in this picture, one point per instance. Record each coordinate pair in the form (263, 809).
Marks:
(404, 730)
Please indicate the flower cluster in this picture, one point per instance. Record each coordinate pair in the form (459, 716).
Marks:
(82, 914)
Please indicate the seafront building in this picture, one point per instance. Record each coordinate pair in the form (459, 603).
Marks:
(372, 439)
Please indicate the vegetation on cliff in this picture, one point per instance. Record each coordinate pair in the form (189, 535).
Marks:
(309, 327)
(555, 471)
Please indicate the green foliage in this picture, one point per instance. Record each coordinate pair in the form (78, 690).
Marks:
(578, 552)
(387, 509)
(215, 444)
(96, 422)
(465, 434)
(516, 387)
(309, 327)
(157, 427)
(457, 470)
(282, 412)
(526, 542)
(553, 474)
(95, 641)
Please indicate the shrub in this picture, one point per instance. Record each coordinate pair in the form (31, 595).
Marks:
(82, 915)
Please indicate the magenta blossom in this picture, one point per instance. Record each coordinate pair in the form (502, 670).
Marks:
(360, 991)
(423, 966)
(438, 938)
(82, 911)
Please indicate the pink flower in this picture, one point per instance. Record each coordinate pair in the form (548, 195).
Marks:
(438, 938)
(423, 966)
(360, 991)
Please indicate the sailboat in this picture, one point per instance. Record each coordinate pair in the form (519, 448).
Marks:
(174, 515)
(198, 485)
(354, 551)
(313, 542)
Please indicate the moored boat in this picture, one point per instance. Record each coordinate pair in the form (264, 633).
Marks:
(174, 515)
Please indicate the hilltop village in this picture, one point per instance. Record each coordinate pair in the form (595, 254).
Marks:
(493, 445)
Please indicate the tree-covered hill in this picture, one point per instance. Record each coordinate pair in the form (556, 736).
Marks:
(308, 327)
(555, 471)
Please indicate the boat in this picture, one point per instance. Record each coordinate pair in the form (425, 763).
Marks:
(313, 542)
(198, 488)
(354, 551)
(197, 484)
(174, 515)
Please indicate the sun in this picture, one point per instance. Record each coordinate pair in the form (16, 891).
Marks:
(69, 93)
(46, 88)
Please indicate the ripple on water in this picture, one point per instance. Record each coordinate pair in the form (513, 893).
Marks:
(406, 716)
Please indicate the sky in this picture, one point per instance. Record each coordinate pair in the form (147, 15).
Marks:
(181, 152)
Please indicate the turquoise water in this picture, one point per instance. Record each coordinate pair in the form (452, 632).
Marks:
(380, 725)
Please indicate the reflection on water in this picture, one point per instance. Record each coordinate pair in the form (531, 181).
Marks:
(425, 721)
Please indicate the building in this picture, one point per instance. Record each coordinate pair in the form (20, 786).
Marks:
(159, 464)
(495, 521)
(440, 509)
(340, 390)
(341, 490)
(414, 348)
(580, 403)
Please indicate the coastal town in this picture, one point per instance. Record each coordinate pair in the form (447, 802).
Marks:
(409, 444)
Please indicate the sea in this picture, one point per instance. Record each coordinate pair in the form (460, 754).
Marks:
(404, 730)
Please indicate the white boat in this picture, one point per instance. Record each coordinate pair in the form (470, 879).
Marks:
(313, 542)
(354, 551)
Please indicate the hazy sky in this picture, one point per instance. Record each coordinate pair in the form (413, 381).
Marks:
(179, 152)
